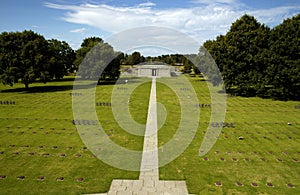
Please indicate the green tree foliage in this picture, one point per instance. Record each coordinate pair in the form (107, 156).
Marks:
(23, 56)
(237, 53)
(187, 61)
(112, 71)
(61, 58)
(86, 46)
(284, 69)
(206, 65)
(27, 56)
(255, 60)
(98, 60)
(134, 58)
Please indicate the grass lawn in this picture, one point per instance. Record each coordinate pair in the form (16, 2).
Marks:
(268, 154)
(38, 140)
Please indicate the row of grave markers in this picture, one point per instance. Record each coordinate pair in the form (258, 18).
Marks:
(40, 128)
(255, 152)
(47, 154)
(25, 118)
(103, 104)
(248, 160)
(202, 105)
(34, 132)
(122, 88)
(279, 159)
(94, 122)
(185, 89)
(12, 102)
(221, 124)
(216, 152)
(81, 179)
(43, 146)
(253, 184)
(41, 178)
(84, 122)
(7, 102)
(222, 159)
(76, 94)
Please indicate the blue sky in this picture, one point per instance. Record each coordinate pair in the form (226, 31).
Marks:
(73, 21)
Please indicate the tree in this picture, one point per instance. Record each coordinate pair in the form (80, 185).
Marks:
(206, 65)
(23, 56)
(238, 54)
(112, 71)
(188, 66)
(98, 60)
(284, 69)
(61, 59)
(188, 62)
(137, 58)
(86, 46)
(246, 39)
(134, 58)
(255, 60)
(219, 51)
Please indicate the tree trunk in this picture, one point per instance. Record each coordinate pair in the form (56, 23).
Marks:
(26, 85)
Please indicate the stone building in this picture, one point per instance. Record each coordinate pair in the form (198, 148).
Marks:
(158, 70)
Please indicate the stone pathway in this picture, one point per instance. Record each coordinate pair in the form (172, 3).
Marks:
(149, 183)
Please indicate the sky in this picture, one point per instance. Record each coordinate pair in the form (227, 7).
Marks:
(72, 21)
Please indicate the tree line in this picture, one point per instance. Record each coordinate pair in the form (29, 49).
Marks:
(27, 57)
(253, 59)
(258, 61)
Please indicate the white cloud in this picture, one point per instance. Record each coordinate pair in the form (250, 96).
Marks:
(38, 27)
(203, 21)
(275, 15)
(147, 4)
(214, 1)
(153, 39)
(78, 30)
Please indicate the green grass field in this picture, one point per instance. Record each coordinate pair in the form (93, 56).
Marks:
(38, 139)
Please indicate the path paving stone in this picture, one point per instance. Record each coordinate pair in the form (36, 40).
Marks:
(148, 182)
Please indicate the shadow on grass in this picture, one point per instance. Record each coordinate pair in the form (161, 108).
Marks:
(252, 93)
(64, 87)
(39, 89)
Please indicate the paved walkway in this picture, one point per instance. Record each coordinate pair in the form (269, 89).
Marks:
(149, 183)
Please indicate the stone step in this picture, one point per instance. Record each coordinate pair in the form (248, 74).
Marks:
(149, 186)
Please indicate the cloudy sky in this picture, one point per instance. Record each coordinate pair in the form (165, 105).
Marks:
(73, 21)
